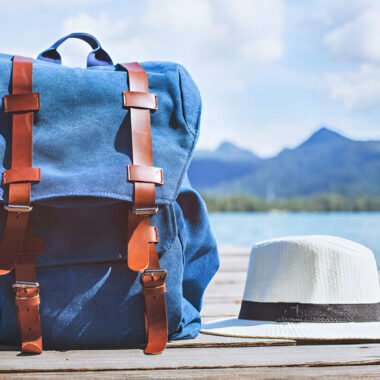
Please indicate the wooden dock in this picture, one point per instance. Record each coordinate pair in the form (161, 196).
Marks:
(208, 357)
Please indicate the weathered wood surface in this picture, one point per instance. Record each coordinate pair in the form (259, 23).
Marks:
(207, 340)
(208, 357)
(185, 358)
(349, 372)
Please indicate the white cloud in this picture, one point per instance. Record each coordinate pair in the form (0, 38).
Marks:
(354, 39)
(333, 13)
(66, 3)
(257, 26)
(217, 29)
(358, 38)
(359, 89)
(192, 31)
(108, 27)
(18, 5)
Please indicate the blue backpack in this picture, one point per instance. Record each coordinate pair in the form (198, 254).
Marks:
(104, 242)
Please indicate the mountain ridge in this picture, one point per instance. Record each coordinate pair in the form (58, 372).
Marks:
(229, 152)
(326, 162)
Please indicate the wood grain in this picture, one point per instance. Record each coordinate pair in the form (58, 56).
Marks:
(207, 340)
(184, 358)
(349, 372)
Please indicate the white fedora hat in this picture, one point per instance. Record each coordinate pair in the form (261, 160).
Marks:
(308, 288)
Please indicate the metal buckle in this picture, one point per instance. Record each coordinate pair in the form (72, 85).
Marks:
(152, 273)
(156, 101)
(25, 284)
(18, 208)
(145, 211)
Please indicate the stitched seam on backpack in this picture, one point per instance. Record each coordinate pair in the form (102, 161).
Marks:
(189, 129)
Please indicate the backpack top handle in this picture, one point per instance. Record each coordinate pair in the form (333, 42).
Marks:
(97, 57)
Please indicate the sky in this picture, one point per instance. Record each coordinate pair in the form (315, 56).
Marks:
(270, 72)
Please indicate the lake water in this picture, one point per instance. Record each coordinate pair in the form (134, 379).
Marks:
(244, 229)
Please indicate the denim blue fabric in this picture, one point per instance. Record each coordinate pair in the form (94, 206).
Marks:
(89, 297)
(81, 134)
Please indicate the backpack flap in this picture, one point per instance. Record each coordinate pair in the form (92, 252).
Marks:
(81, 135)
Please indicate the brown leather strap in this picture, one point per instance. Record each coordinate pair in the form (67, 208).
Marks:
(138, 242)
(154, 288)
(16, 249)
(16, 225)
(144, 202)
(27, 297)
(137, 99)
(21, 175)
(22, 125)
(147, 174)
(142, 255)
(21, 102)
(144, 193)
(18, 209)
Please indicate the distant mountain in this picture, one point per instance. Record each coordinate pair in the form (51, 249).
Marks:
(324, 135)
(227, 152)
(211, 168)
(327, 162)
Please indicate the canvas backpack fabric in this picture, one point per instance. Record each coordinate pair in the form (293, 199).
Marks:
(68, 283)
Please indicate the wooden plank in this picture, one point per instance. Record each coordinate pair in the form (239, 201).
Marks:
(218, 300)
(208, 340)
(223, 284)
(227, 297)
(229, 278)
(231, 265)
(218, 311)
(349, 372)
(183, 358)
(236, 257)
(234, 251)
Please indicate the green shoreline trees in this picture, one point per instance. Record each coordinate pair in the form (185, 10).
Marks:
(317, 203)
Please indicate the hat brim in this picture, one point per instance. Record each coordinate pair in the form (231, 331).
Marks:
(300, 331)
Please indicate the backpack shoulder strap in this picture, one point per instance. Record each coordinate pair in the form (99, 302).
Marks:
(142, 237)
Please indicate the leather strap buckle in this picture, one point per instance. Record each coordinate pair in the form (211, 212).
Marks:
(18, 208)
(27, 300)
(143, 100)
(145, 211)
(152, 273)
(25, 284)
(147, 174)
(27, 102)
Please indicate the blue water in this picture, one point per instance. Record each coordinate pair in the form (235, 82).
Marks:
(244, 229)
